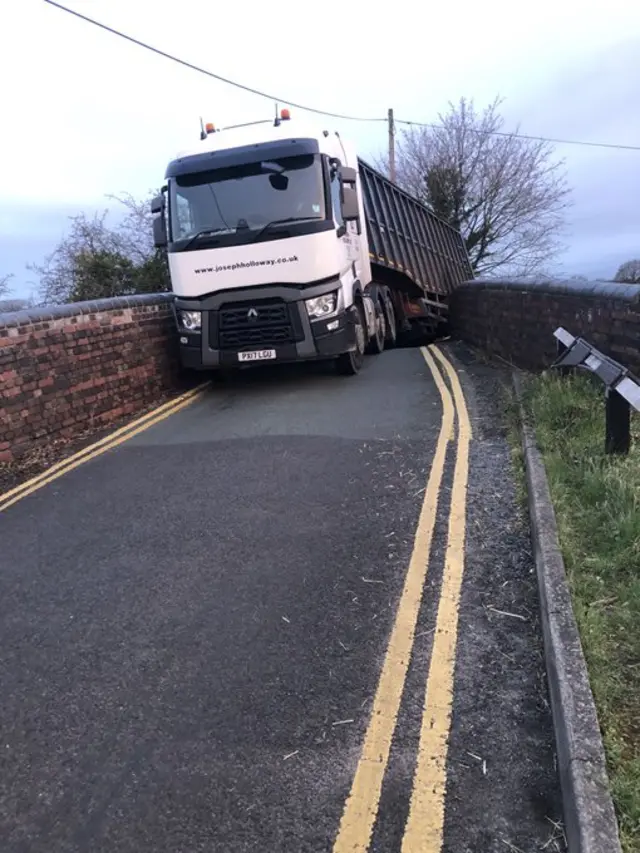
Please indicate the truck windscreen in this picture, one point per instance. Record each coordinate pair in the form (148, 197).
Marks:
(246, 197)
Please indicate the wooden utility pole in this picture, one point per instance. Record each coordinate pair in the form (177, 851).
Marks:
(392, 146)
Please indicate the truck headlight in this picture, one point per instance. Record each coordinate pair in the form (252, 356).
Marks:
(322, 306)
(190, 321)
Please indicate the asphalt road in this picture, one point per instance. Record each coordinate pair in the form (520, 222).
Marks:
(193, 625)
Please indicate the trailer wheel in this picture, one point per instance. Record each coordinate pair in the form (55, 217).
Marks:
(391, 336)
(376, 344)
(349, 363)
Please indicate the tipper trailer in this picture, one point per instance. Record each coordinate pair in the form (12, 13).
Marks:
(283, 245)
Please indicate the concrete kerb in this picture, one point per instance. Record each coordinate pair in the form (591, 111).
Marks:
(589, 816)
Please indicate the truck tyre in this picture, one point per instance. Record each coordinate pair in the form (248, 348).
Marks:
(349, 363)
(391, 335)
(376, 344)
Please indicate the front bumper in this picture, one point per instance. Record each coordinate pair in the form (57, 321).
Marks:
(287, 329)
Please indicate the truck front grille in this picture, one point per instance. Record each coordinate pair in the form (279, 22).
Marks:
(259, 324)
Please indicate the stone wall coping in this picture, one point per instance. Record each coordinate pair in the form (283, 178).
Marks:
(29, 316)
(613, 289)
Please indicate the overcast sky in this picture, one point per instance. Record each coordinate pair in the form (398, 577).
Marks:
(85, 114)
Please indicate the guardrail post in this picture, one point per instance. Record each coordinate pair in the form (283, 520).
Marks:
(618, 423)
(622, 389)
(561, 348)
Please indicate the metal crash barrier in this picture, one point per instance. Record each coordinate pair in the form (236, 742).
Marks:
(622, 388)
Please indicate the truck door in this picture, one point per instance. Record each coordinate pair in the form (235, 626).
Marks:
(347, 231)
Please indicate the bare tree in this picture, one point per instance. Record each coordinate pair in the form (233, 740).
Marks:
(5, 287)
(135, 231)
(505, 193)
(629, 272)
(96, 260)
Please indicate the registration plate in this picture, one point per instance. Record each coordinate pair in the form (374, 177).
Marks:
(257, 355)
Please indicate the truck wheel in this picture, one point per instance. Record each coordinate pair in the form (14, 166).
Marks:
(376, 344)
(391, 337)
(349, 363)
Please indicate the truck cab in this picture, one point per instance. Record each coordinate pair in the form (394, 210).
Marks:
(267, 249)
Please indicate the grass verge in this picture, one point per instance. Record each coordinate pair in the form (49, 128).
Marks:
(597, 503)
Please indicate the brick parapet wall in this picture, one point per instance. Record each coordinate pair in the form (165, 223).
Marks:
(73, 367)
(516, 319)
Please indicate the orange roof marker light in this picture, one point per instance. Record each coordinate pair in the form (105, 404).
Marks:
(210, 128)
(285, 115)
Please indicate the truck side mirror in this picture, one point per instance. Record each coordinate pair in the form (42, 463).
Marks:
(157, 204)
(350, 207)
(159, 232)
(159, 222)
(347, 175)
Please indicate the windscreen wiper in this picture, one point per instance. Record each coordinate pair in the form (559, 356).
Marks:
(283, 221)
(204, 233)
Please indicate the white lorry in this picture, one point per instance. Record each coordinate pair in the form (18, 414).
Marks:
(284, 246)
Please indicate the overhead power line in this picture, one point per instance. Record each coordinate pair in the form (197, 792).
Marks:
(253, 91)
(204, 70)
(615, 145)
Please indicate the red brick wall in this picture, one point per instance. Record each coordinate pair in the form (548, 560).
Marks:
(516, 320)
(71, 367)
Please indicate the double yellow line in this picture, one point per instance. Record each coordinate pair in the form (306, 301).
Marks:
(112, 440)
(424, 827)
